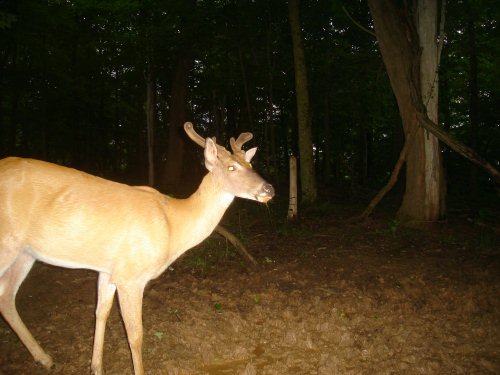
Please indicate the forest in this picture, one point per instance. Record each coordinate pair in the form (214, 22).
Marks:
(392, 109)
(83, 81)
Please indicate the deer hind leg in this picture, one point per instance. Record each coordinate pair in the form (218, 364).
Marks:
(105, 294)
(10, 280)
(130, 297)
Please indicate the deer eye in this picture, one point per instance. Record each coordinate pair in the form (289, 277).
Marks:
(231, 168)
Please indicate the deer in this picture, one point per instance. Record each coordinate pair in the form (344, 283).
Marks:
(128, 234)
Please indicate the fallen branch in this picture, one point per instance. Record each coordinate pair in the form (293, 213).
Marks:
(236, 243)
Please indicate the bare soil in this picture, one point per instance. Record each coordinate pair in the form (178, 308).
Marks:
(327, 298)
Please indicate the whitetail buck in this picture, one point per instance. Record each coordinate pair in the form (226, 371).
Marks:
(128, 234)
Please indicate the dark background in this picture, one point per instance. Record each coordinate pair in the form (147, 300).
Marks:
(73, 89)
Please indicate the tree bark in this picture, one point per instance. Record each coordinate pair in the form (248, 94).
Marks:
(292, 198)
(435, 185)
(307, 170)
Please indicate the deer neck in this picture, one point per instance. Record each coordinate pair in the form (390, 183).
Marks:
(193, 219)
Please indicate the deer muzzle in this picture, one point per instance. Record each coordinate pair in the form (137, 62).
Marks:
(266, 193)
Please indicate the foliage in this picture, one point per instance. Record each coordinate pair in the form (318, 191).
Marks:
(72, 85)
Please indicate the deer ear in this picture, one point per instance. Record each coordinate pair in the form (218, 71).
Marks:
(250, 154)
(210, 154)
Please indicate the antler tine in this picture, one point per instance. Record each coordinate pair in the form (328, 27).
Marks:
(242, 139)
(189, 129)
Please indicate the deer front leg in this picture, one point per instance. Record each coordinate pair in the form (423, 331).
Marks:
(10, 281)
(130, 297)
(105, 294)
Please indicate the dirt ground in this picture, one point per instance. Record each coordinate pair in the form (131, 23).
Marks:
(327, 298)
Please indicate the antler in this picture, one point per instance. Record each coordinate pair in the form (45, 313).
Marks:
(189, 129)
(242, 139)
(235, 144)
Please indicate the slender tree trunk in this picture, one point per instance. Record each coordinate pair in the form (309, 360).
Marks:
(270, 126)
(327, 148)
(178, 115)
(292, 197)
(248, 104)
(151, 122)
(364, 154)
(8, 103)
(307, 170)
(473, 94)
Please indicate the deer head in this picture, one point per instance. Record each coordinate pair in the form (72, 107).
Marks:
(233, 171)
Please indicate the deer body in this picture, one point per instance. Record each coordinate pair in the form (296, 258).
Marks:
(73, 210)
(128, 234)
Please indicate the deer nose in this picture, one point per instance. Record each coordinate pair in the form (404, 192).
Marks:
(268, 189)
(265, 194)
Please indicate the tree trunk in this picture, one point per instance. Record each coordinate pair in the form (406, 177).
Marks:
(248, 104)
(8, 105)
(473, 94)
(409, 49)
(151, 122)
(412, 109)
(176, 143)
(292, 198)
(307, 171)
(425, 184)
(327, 141)
(272, 162)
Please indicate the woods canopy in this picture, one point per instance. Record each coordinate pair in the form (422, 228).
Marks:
(105, 86)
